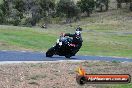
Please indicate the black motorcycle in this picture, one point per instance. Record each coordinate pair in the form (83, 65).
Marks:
(62, 48)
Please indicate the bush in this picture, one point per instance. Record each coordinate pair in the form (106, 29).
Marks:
(86, 6)
(14, 17)
(1, 17)
(26, 22)
(67, 8)
(19, 5)
(47, 9)
(102, 3)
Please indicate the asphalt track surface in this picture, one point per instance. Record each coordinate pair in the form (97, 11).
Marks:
(38, 56)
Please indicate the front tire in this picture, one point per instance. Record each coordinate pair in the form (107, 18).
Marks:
(50, 52)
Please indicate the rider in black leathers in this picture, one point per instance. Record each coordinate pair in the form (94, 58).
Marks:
(77, 40)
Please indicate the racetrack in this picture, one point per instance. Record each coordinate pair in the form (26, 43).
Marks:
(38, 56)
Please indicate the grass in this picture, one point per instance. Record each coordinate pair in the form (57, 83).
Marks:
(102, 36)
(124, 86)
(27, 38)
(95, 42)
(107, 44)
(118, 86)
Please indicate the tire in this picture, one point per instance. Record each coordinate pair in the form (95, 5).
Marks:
(50, 52)
(67, 56)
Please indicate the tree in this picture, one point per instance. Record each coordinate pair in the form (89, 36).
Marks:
(102, 3)
(130, 6)
(47, 5)
(5, 7)
(119, 2)
(20, 6)
(107, 4)
(47, 9)
(86, 6)
(4, 11)
(14, 17)
(1, 16)
(36, 15)
(67, 8)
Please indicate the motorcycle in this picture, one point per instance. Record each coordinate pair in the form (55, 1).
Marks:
(63, 47)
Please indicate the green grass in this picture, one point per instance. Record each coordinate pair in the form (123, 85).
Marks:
(97, 42)
(124, 86)
(117, 86)
(107, 44)
(104, 34)
(27, 38)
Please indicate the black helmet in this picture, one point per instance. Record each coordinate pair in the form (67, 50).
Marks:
(79, 29)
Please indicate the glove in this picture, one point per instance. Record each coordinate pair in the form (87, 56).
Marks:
(63, 34)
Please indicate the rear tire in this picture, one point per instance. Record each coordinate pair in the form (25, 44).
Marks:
(67, 56)
(50, 52)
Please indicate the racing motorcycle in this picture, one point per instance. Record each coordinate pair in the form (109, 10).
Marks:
(63, 47)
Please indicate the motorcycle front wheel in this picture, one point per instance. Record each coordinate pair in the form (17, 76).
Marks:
(50, 52)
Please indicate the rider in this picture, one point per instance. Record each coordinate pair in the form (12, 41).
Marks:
(77, 39)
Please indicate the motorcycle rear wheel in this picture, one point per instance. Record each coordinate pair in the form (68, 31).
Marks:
(67, 56)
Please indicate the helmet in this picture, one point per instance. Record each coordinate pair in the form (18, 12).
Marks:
(78, 31)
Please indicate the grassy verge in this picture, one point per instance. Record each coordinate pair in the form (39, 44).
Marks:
(95, 42)
(119, 86)
(26, 38)
(104, 34)
(107, 44)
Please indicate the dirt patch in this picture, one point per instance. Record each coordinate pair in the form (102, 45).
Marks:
(55, 74)
(6, 46)
(2, 44)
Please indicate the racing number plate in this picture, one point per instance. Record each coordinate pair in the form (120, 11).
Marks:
(60, 43)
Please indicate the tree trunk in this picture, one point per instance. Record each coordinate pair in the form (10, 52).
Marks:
(131, 6)
(119, 5)
(88, 13)
(101, 8)
(107, 6)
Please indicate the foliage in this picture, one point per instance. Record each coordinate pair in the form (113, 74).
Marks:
(32, 12)
(86, 6)
(19, 5)
(47, 9)
(4, 11)
(5, 7)
(14, 17)
(47, 5)
(67, 8)
(1, 16)
(101, 3)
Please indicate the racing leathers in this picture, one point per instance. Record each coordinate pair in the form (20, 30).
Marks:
(77, 41)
